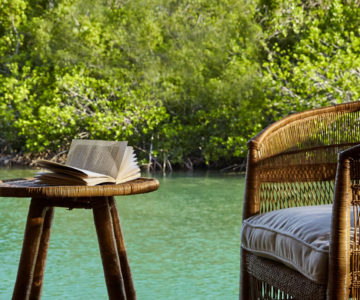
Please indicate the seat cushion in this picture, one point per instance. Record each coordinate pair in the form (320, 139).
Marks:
(298, 237)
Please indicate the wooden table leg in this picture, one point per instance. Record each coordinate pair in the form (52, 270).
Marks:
(33, 231)
(124, 263)
(37, 283)
(108, 248)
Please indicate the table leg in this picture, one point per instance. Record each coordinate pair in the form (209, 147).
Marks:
(41, 258)
(108, 249)
(33, 231)
(124, 263)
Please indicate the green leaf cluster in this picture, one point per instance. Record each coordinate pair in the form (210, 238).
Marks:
(183, 81)
(310, 53)
(177, 79)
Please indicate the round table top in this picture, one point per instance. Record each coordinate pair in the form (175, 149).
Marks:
(26, 187)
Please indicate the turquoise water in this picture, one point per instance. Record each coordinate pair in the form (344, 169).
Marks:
(182, 241)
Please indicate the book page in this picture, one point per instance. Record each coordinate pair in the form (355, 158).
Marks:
(124, 163)
(103, 157)
(65, 179)
(128, 178)
(68, 170)
(129, 166)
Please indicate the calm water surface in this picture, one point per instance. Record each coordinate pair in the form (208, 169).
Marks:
(182, 241)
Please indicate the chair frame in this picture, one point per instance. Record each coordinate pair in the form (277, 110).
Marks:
(312, 153)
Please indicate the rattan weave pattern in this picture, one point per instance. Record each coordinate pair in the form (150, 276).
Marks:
(314, 172)
(311, 129)
(28, 188)
(273, 280)
(278, 195)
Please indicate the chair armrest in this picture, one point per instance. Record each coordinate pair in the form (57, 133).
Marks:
(339, 256)
(351, 153)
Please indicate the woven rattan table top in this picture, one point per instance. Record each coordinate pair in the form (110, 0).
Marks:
(26, 187)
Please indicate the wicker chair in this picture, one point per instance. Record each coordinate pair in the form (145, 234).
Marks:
(306, 159)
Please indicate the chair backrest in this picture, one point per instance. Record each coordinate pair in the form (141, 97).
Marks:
(293, 161)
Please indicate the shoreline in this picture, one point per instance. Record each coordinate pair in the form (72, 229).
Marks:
(28, 160)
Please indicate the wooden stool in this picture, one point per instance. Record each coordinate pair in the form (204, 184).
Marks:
(37, 232)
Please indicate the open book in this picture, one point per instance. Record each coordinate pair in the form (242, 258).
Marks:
(92, 162)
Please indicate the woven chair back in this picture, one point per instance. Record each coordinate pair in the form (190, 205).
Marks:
(293, 162)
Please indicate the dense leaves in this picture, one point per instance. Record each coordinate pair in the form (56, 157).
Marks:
(311, 53)
(186, 82)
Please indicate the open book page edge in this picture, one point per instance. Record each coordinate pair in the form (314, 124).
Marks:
(96, 181)
(64, 179)
(129, 178)
(130, 172)
(129, 166)
(58, 179)
(65, 169)
(125, 159)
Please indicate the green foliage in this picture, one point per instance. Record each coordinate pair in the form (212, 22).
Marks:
(182, 81)
(177, 79)
(311, 53)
